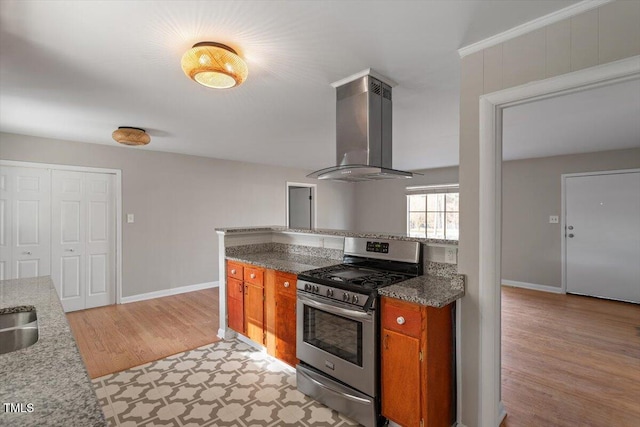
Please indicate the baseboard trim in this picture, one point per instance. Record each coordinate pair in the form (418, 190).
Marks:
(169, 292)
(533, 286)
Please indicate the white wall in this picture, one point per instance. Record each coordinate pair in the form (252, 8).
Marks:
(178, 200)
(381, 206)
(531, 191)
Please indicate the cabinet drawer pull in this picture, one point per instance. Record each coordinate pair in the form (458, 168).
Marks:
(286, 284)
(253, 276)
(400, 320)
(233, 271)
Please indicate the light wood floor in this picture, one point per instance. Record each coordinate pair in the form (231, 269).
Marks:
(569, 360)
(118, 337)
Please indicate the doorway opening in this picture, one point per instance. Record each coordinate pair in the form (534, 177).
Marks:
(490, 209)
(301, 205)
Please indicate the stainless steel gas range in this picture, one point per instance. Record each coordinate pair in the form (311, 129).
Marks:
(338, 324)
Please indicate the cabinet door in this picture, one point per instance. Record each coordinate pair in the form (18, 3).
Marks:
(286, 328)
(401, 378)
(254, 312)
(235, 305)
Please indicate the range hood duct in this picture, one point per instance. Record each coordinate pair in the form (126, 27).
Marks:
(363, 133)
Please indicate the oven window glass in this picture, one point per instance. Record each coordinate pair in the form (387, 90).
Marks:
(334, 334)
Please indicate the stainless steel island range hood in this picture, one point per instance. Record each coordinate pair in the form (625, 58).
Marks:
(363, 131)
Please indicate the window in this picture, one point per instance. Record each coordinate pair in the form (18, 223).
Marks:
(432, 212)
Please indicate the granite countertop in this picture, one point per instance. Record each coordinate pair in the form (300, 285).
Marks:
(50, 374)
(331, 232)
(282, 261)
(433, 291)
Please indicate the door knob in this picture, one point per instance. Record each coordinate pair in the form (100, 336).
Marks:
(253, 276)
(400, 320)
(570, 227)
(233, 271)
(570, 236)
(27, 253)
(69, 250)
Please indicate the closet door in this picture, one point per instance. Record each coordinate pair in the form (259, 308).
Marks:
(100, 240)
(24, 222)
(67, 238)
(83, 239)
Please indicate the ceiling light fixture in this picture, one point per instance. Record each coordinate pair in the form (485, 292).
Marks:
(214, 65)
(131, 136)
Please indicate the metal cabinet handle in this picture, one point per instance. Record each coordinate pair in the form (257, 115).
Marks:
(233, 271)
(253, 276)
(400, 320)
(286, 284)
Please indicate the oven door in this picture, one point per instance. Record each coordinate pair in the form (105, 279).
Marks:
(338, 340)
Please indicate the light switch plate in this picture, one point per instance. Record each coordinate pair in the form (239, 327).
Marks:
(553, 219)
(130, 218)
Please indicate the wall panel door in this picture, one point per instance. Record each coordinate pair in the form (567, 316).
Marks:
(24, 222)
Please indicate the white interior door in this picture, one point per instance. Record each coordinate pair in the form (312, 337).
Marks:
(100, 240)
(602, 238)
(83, 239)
(24, 222)
(300, 200)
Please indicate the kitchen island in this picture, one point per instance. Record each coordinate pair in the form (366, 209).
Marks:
(50, 374)
(297, 250)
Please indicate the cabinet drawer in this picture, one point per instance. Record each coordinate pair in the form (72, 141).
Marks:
(402, 317)
(253, 275)
(286, 283)
(234, 270)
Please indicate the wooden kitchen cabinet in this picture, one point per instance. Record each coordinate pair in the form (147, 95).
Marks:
(280, 315)
(261, 305)
(285, 318)
(245, 300)
(416, 363)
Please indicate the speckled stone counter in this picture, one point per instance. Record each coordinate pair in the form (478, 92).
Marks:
(288, 262)
(434, 291)
(331, 232)
(50, 374)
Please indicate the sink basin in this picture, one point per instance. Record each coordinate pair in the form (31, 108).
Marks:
(18, 330)
(12, 320)
(17, 339)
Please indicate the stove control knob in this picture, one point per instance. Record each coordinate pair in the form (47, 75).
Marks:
(329, 292)
(345, 297)
(315, 288)
(354, 299)
(307, 287)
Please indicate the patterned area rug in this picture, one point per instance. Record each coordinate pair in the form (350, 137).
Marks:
(227, 383)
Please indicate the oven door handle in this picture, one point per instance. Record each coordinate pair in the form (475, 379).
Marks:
(335, 310)
(341, 393)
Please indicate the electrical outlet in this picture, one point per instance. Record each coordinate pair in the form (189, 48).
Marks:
(451, 255)
(553, 219)
(130, 218)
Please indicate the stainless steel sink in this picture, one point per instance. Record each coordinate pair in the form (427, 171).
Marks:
(17, 339)
(18, 330)
(11, 320)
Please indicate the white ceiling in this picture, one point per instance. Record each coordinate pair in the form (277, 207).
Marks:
(599, 119)
(76, 70)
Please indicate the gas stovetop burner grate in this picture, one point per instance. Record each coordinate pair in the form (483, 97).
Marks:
(365, 278)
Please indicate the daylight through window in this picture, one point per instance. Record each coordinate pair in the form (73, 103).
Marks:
(434, 214)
